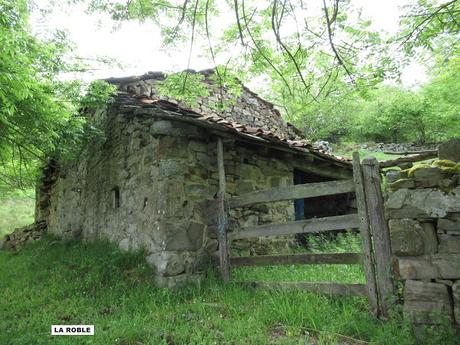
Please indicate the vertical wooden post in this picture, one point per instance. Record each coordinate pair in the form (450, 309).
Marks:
(380, 232)
(369, 268)
(222, 217)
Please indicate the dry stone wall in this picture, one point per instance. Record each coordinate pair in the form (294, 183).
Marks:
(145, 185)
(247, 109)
(423, 209)
(22, 236)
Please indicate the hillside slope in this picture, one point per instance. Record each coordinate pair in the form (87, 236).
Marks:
(51, 282)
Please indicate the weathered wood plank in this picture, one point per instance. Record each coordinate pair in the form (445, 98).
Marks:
(410, 159)
(405, 153)
(298, 259)
(222, 217)
(300, 191)
(322, 168)
(348, 221)
(443, 266)
(364, 230)
(326, 288)
(380, 232)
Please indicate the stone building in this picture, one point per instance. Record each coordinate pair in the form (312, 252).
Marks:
(147, 182)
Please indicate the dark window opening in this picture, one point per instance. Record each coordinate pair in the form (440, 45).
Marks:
(322, 206)
(116, 197)
(319, 207)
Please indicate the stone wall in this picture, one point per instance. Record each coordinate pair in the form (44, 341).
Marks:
(423, 208)
(145, 185)
(22, 236)
(248, 108)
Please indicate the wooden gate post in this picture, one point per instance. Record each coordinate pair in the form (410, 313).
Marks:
(222, 216)
(364, 229)
(380, 233)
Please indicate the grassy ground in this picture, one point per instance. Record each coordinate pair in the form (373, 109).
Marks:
(347, 151)
(51, 282)
(346, 242)
(16, 210)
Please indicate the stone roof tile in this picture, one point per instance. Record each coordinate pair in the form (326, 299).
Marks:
(132, 95)
(133, 101)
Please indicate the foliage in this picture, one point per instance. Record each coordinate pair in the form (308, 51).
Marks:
(314, 55)
(323, 62)
(391, 115)
(442, 96)
(16, 210)
(429, 114)
(228, 81)
(53, 282)
(38, 113)
(184, 86)
(430, 24)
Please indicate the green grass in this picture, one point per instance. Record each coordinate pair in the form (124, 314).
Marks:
(363, 153)
(380, 156)
(54, 282)
(16, 210)
(344, 242)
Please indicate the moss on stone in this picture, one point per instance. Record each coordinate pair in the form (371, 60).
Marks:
(457, 168)
(412, 170)
(449, 170)
(443, 163)
(405, 173)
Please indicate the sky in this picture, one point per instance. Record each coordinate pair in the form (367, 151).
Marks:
(137, 47)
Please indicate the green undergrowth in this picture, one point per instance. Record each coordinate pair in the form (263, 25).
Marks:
(16, 210)
(340, 243)
(363, 153)
(53, 282)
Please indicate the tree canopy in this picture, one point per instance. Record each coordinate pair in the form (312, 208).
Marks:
(39, 115)
(321, 64)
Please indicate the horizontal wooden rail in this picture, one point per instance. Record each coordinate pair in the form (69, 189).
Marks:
(408, 159)
(349, 221)
(326, 288)
(295, 259)
(300, 191)
(405, 153)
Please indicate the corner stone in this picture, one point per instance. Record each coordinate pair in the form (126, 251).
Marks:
(166, 264)
(178, 281)
(182, 236)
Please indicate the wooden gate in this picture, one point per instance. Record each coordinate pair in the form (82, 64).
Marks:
(375, 256)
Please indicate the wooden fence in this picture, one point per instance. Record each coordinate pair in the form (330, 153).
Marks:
(375, 256)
